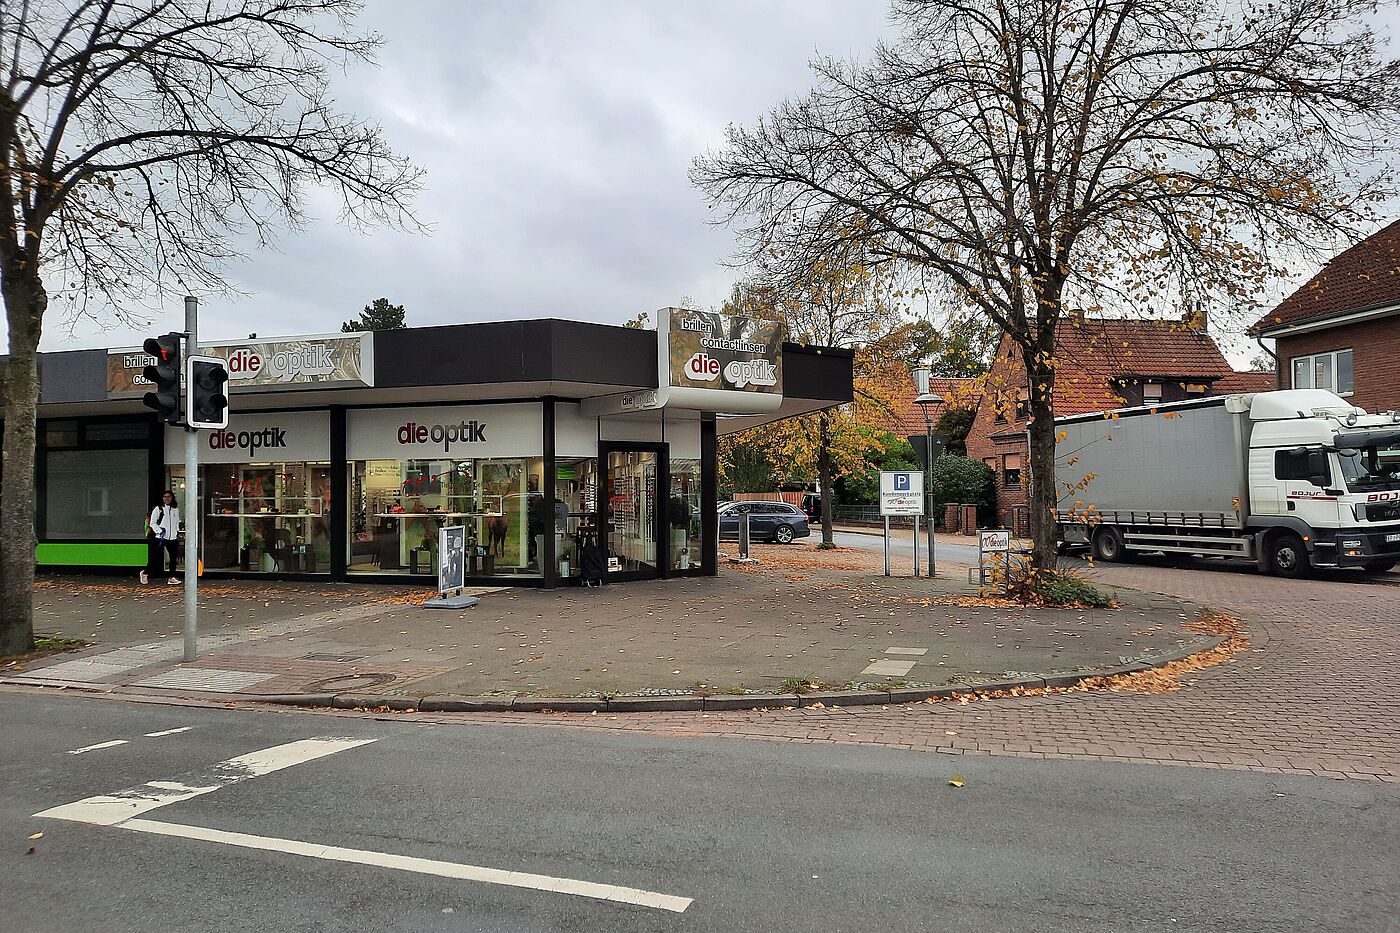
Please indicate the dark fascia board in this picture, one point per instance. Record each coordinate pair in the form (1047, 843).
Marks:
(540, 350)
(67, 376)
(825, 373)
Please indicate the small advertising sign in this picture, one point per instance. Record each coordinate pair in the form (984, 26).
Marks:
(708, 350)
(995, 540)
(902, 493)
(303, 363)
(452, 562)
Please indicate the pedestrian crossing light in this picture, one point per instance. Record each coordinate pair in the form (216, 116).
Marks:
(206, 380)
(165, 376)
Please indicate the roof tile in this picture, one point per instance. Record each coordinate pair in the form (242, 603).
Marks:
(1363, 276)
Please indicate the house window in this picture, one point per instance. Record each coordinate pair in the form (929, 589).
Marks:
(1020, 409)
(1011, 469)
(1331, 371)
(1151, 393)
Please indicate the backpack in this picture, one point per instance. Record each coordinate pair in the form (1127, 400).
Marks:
(593, 567)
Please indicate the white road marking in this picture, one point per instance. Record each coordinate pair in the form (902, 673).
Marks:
(112, 809)
(422, 866)
(156, 735)
(93, 748)
(911, 652)
(124, 808)
(890, 668)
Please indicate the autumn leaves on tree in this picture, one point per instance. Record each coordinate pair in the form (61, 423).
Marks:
(1036, 159)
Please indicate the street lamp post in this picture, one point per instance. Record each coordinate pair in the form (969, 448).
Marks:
(925, 400)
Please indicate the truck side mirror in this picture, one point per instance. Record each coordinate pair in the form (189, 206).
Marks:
(1319, 468)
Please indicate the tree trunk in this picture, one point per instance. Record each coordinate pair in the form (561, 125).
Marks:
(25, 301)
(1041, 448)
(824, 478)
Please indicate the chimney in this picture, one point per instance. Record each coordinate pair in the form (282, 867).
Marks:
(1196, 320)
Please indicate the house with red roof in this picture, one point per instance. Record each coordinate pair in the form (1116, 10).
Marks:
(1100, 364)
(905, 417)
(1341, 330)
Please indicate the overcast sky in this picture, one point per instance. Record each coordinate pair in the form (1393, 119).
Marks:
(557, 138)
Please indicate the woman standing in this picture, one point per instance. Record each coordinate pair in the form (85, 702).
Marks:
(164, 538)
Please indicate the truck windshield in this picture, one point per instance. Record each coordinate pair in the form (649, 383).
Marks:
(1372, 468)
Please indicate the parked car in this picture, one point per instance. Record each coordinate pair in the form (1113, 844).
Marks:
(812, 506)
(768, 521)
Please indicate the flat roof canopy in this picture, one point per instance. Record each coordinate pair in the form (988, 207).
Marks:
(472, 362)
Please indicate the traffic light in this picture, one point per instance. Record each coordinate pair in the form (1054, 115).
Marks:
(165, 376)
(207, 401)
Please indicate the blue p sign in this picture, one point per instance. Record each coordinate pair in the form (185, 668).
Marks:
(901, 482)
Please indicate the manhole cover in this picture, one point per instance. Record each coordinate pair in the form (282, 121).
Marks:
(348, 682)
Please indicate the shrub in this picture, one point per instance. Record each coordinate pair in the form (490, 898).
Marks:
(1055, 588)
(963, 480)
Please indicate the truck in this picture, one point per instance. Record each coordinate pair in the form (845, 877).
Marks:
(1290, 480)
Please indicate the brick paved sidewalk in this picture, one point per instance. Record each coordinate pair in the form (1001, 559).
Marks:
(1318, 692)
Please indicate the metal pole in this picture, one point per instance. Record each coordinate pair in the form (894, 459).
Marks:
(916, 545)
(887, 545)
(191, 496)
(928, 484)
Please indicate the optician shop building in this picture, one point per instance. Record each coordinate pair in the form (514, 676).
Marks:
(345, 453)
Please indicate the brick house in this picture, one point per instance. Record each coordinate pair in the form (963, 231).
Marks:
(907, 418)
(1102, 363)
(1341, 330)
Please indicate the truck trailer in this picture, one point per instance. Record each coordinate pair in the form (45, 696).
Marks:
(1290, 480)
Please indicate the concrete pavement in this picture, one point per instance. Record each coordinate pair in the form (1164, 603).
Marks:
(770, 629)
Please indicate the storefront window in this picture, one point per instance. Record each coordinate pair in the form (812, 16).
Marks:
(95, 494)
(683, 515)
(263, 517)
(575, 510)
(397, 507)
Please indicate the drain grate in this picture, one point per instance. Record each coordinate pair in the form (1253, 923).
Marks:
(340, 658)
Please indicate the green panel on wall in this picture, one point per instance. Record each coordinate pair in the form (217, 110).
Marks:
(77, 554)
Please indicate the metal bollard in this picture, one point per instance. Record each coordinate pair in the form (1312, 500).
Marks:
(743, 557)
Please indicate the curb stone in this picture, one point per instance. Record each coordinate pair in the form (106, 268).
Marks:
(844, 697)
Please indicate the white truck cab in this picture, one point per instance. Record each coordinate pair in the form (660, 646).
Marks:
(1329, 472)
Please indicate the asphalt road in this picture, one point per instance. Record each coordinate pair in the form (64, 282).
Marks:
(953, 551)
(757, 835)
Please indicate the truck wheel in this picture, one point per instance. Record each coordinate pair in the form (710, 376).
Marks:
(1379, 565)
(1108, 546)
(1288, 557)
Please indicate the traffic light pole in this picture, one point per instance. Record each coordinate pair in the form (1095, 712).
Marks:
(191, 499)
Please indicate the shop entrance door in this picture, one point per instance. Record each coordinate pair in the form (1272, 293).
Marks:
(631, 507)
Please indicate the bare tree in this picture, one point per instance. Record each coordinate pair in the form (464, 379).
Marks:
(139, 140)
(1040, 157)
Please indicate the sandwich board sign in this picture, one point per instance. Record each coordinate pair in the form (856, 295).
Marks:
(902, 492)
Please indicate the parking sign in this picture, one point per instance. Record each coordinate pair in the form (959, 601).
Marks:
(902, 492)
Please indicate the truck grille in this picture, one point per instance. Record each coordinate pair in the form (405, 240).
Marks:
(1386, 512)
